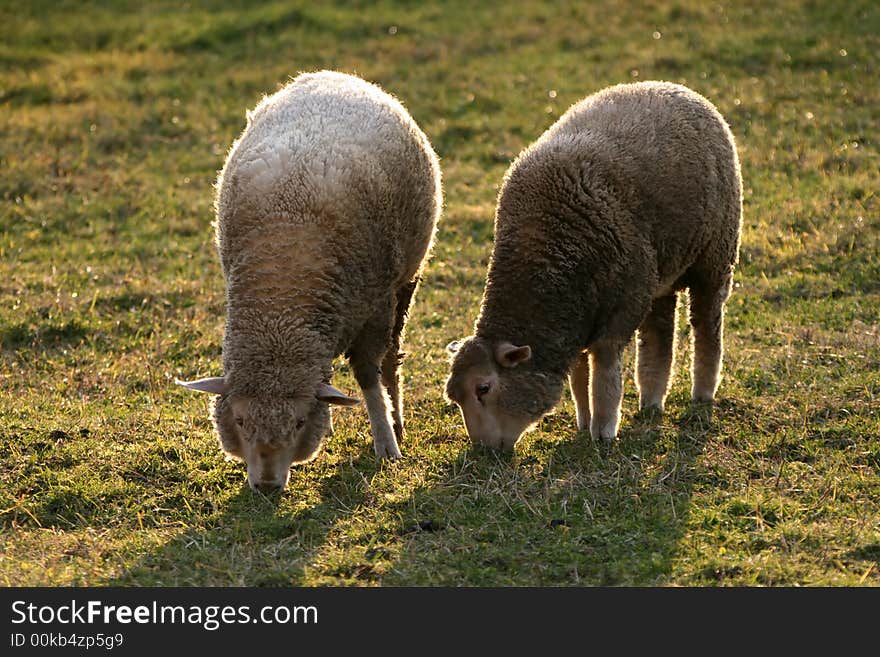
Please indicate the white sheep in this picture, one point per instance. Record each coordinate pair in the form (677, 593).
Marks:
(326, 209)
(633, 194)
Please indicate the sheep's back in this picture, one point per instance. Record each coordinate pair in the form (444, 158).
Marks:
(336, 159)
(670, 159)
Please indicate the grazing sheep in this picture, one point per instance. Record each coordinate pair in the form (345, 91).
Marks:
(326, 209)
(632, 195)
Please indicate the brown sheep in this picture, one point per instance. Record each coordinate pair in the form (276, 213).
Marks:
(634, 194)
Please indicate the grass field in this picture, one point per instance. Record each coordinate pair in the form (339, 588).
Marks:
(114, 121)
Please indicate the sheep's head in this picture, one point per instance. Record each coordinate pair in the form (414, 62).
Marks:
(270, 433)
(498, 391)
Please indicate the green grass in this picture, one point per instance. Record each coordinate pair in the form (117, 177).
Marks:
(115, 121)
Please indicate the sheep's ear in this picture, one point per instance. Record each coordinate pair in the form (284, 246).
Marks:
(453, 347)
(213, 384)
(329, 394)
(510, 355)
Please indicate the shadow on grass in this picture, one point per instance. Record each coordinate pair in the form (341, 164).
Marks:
(560, 513)
(44, 336)
(256, 539)
(555, 513)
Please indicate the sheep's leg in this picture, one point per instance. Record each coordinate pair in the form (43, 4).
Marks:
(707, 320)
(606, 389)
(394, 356)
(579, 382)
(365, 356)
(654, 352)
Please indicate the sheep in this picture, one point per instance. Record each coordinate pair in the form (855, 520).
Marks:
(326, 211)
(633, 195)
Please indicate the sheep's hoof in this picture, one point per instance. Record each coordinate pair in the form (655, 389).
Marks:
(702, 394)
(651, 411)
(387, 451)
(648, 404)
(604, 446)
(604, 431)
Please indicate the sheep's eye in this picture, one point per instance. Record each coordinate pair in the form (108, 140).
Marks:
(239, 420)
(482, 389)
(300, 423)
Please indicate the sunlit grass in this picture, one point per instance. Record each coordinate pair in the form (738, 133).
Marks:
(114, 124)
